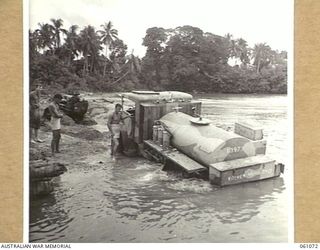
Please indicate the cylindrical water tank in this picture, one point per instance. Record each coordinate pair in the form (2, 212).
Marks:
(206, 144)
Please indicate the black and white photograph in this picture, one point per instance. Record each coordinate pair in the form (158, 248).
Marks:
(159, 121)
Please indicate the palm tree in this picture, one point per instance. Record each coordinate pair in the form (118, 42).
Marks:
(57, 31)
(45, 36)
(89, 45)
(231, 45)
(71, 43)
(108, 36)
(262, 55)
(242, 50)
(238, 49)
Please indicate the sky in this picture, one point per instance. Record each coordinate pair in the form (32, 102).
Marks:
(256, 21)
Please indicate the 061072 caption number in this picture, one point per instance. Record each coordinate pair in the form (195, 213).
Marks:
(309, 245)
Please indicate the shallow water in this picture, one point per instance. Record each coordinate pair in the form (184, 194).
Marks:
(133, 200)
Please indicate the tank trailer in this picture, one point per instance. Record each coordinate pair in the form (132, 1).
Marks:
(168, 127)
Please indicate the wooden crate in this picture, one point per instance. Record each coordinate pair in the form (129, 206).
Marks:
(249, 130)
(147, 112)
(243, 170)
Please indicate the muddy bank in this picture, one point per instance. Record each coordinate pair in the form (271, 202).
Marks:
(133, 200)
(89, 137)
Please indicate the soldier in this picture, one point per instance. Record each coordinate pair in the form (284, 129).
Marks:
(114, 124)
(56, 116)
(34, 100)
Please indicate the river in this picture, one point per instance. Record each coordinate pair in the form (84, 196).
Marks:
(133, 200)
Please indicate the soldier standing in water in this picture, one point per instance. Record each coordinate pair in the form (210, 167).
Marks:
(114, 124)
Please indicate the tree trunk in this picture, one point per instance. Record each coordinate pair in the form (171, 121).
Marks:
(120, 78)
(92, 65)
(104, 69)
(85, 65)
(158, 78)
(258, 67)
(105, 65)
(69, 60)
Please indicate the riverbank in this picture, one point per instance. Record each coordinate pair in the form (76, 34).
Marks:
(89, 138)
(133, 200)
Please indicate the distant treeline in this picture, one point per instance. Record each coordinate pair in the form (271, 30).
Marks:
(184, 58)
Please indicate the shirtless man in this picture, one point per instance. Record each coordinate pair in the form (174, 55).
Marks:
(114, 124)
(56, 116)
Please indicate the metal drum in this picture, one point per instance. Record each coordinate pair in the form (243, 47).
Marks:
(166, 139)
(155, 133)
(160, 136)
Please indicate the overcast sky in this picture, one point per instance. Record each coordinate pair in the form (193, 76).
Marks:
(256, 21)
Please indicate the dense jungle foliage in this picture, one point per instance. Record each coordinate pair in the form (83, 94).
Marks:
(184, 58)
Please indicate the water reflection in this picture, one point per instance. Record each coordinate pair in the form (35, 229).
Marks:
(133, 200)
(134, 193)
(242, 202)
(48, 219)
(192, 200)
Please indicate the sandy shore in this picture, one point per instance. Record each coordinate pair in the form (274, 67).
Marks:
(91, 138)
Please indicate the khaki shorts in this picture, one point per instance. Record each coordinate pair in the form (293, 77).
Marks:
(116, 130)
(56, 134)
(35, 118)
